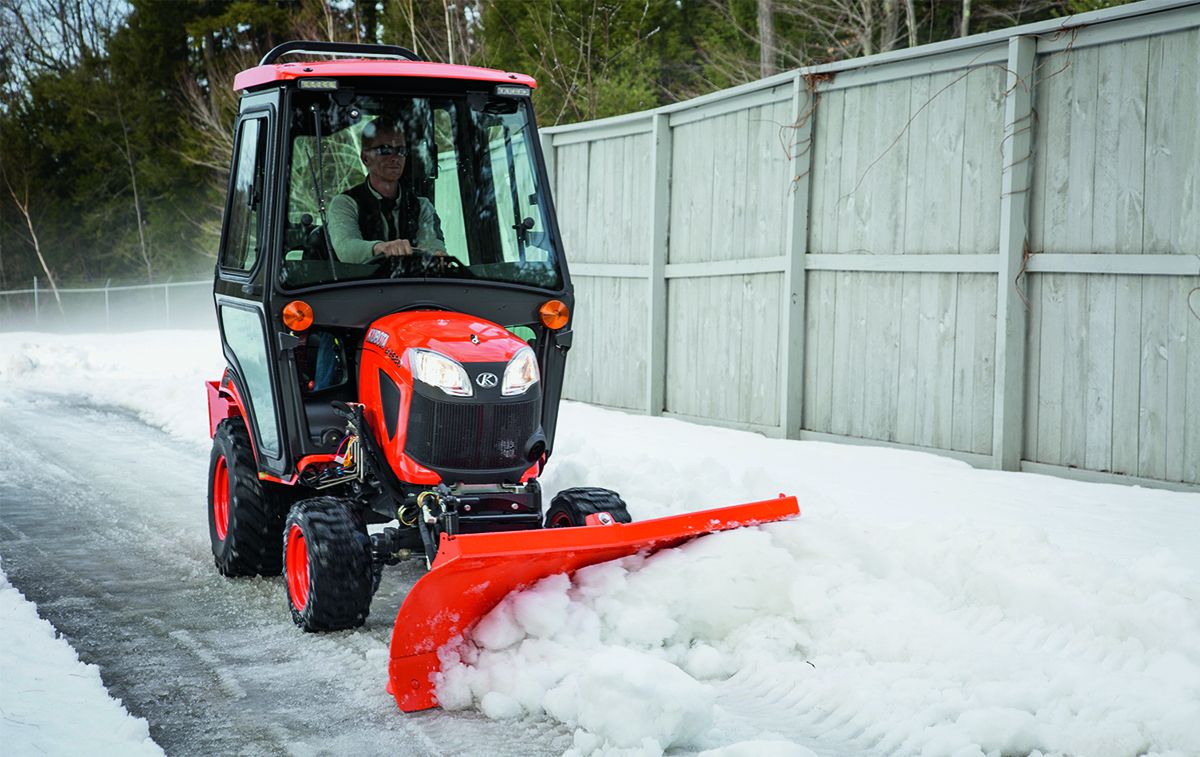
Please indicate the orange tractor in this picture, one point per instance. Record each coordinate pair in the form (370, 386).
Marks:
(396, 310)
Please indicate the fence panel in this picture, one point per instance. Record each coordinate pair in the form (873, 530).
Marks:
(920, 313)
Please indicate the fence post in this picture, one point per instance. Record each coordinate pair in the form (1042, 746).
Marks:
(107, 319)
(37, 319)
(1008, 427)
(792, 323)
(660, 230)
(167, 302)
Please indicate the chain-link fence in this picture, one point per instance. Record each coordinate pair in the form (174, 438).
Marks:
(168, 305)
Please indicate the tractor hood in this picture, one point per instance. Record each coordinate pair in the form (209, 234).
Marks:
(462, 337)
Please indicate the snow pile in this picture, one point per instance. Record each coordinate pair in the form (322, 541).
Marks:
(50, 701)
(938, 639)
(158, 375)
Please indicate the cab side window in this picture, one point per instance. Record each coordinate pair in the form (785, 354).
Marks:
(246, 196)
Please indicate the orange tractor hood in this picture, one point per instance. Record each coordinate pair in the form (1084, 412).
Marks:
(462, 337)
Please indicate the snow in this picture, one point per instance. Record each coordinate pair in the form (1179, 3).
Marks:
(918, 606)
(43, 678)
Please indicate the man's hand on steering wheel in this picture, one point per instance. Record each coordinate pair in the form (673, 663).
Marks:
(394, 248)
(407, 260)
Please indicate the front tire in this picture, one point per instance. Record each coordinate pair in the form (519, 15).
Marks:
(570, 507)
(243, 519)
(327, 565)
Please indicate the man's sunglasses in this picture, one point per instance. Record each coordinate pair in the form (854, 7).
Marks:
(384, 151)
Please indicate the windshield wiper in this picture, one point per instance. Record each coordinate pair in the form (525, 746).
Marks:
(316, 176)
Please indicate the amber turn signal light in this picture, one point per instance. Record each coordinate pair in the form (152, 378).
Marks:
(297, 315)
(554, 314)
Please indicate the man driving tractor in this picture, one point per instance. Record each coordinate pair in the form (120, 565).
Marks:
(378, 216)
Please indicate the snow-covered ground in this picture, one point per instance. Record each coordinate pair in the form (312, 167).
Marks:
(918, 606)
(43, 680)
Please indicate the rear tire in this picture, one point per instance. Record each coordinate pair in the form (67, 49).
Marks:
(244, 520)
(570, 507)
(327, 557)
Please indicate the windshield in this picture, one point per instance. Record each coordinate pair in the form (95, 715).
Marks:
(394, 186)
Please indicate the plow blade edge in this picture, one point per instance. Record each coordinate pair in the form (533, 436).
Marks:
(473, 572)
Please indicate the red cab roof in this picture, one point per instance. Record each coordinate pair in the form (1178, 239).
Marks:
(282, 72)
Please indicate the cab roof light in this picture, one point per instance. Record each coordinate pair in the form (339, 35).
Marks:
(325, 84)
(510, 90)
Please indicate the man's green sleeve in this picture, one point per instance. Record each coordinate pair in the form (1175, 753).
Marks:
(344, 232)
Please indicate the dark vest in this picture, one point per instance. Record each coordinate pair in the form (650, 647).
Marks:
(370, 214)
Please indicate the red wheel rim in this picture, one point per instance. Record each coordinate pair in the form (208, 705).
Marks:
(297, 567)
(220, 498)
(561, 520)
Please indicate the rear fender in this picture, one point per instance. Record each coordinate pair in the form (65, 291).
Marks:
(223, 402)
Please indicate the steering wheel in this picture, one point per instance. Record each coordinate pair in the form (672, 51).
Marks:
(421, 263)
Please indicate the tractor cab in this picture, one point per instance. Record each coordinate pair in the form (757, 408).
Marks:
(308, 262)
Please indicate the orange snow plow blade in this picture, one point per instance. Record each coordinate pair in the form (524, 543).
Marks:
(473, 572)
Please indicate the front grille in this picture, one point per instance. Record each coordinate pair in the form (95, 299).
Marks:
(469, 436)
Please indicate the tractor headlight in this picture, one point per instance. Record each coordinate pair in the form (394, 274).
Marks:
(436, 369)
(521, 373)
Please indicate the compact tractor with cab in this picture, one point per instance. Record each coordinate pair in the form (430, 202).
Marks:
(414, 391)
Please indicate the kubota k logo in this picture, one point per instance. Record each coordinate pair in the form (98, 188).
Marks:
(487, 380)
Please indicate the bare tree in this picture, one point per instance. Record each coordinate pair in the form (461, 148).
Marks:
(766, 38)
(965, 28)
(910, 19)
(891, 21)
(21, 200)
(127, 153)
(56, 35)
(848, 28)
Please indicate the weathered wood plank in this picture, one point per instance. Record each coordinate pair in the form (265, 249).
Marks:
(767, 293)
(846, 207)
(1127, 354)
(1081, 158)
(910, 348)
(935, 370)
(723, 171)
(572, 200)
(1054, 149)
(856, 374)
(1172, 152)
(1152, 429)
(577, 378)
(1177, 360)
(1033, 366)
(979, 220)
(1101, 342)
(682, 303)
(1120, 147)
(1075, 380)
(843, 346)
(820, 355)
(933, 208)
(883, 177)
(1050, 384)
(882, 353)
(826, 173)
(982, 290)
(1191, 441)
(962, 418)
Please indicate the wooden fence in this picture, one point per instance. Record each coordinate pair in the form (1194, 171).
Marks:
(988, 247)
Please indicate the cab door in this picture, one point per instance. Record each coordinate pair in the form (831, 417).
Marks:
(241, 284)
